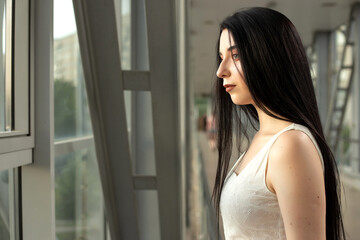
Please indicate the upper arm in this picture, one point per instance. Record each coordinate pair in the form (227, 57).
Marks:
(295, 174)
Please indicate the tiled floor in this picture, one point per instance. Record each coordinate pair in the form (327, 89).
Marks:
(209, 159)
(351, 207)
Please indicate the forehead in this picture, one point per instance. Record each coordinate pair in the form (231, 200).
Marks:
(226, 39)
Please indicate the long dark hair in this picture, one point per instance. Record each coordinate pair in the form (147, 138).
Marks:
(277, 73)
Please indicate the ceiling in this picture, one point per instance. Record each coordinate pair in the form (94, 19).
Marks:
(308, 17)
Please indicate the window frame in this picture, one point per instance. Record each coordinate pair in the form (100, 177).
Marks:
(16, 145)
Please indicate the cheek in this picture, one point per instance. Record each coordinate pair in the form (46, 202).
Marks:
(239, 73)
(241, 81)
(239, 68)
(244, 84)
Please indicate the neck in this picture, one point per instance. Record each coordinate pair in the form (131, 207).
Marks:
(268, 124)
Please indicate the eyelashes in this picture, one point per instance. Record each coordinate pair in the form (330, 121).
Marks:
(235, 56)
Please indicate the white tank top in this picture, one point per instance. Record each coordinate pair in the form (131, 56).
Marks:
(248, 208)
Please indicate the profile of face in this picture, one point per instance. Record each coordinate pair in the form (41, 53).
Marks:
(230, 70)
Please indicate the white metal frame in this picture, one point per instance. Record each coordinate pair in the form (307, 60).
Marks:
(21, 137)
(136, 80)
(101, 63)
(162, 42)
(38, 179)
(8, 65)
(105, 83)
(73, 145)
(17, 143)
(17, 69)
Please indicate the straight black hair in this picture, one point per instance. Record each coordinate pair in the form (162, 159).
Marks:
(277, 73)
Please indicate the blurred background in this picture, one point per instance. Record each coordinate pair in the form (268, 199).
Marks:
(106, 126)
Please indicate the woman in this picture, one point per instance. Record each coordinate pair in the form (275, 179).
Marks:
(286, 185)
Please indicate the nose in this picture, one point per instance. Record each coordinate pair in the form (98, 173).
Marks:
(223, 70)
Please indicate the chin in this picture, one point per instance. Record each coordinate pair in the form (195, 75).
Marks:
(241, 101)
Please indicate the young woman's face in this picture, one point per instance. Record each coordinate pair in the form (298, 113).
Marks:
(230, 71)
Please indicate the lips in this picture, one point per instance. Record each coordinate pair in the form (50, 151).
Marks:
(229, 87)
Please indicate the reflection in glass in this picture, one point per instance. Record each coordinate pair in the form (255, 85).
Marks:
(4, 205)
(2, 65)
(78, 197)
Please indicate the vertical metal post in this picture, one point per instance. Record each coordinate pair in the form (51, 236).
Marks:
(2, 79)
(8, 67)
(143, 148)
(142, 131)
(355, 133)
(38, 179)
(20, 69)
(162, 42)
(333, 61)
(11, 195)
(99, 47)
(185, 100)
(322, 40)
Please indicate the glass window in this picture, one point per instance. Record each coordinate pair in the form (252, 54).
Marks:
(8, 203)
(347, 152)
(15, 79)
(72, 118)
(4, 205)
(125, 33)
(79, 208)
(2, 67)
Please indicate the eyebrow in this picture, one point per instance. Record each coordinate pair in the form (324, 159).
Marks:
(230, 49)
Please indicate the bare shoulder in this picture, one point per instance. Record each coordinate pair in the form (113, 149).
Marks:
(293, 145)
(293, 154)
(295, 175)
